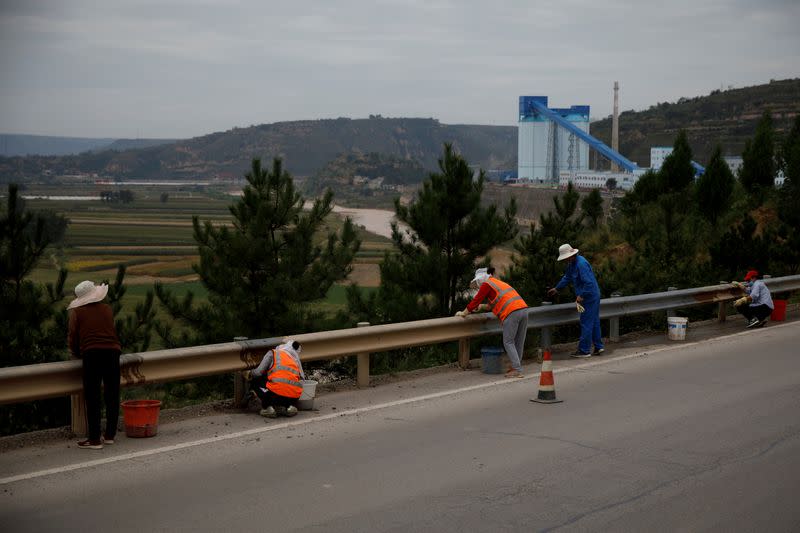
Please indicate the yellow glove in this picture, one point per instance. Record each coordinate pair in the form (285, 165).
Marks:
(460, 313)
(579, 307)
(737, 285)
(741, 301)
(482, 308)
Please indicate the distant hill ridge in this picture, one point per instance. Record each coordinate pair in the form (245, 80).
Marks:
(726, 117)
(21, 145)
(47, 145)
(305, 146)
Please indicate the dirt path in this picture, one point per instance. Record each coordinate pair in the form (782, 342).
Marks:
(139, 222)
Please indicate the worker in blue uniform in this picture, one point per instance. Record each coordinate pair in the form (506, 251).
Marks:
(587, 299)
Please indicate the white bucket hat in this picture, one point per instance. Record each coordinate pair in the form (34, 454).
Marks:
(290, 345)
(565, 251)
(481, 275)
(87, 293)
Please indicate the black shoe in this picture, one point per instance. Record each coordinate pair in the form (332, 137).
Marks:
(761, 323)
(753, 322)
(580, 355)
(600, 351)
(249, 395)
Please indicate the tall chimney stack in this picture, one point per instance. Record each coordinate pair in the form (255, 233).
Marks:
(615, 125)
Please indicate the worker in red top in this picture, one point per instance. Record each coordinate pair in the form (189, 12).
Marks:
(509, 307)
(93, 338)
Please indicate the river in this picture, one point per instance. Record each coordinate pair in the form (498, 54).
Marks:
(377, 221)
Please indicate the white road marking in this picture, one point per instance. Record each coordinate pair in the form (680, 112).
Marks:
(359, 410)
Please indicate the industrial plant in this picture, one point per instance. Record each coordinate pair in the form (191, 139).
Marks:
(554, 143)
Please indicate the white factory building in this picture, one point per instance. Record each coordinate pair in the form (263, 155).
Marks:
(544, 149)
(598, 179)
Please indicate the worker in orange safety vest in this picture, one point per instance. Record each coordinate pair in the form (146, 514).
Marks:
(278, 380)
(509, 307)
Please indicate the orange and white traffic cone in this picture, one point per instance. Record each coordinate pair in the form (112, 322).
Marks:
(547, 386)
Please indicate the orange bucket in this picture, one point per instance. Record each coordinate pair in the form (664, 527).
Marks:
(779, 313)
(141, 417)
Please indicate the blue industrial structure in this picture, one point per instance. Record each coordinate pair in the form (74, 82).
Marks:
(543, 133)
(539, 105)
(545, 149)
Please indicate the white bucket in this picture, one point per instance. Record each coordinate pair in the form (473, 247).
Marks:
(306, 400)
(676, 328)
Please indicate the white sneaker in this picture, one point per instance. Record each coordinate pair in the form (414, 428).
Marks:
(269, 412)
(291, 410)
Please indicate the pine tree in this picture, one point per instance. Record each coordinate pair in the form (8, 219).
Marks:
(32, 326)
(741, 249)
(262, 274)
(659, 224)
(758, 159)
(592, 208)
(787, 249)
(677, 172)
(714, 188)
(675, 176)
(790, 154)
(446, 234)
(533, 265)
(32, 329)
(134, 330)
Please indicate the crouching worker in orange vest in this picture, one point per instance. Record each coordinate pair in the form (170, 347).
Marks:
(509, 307)
(277, 380)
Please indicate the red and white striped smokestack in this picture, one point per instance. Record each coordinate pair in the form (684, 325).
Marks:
(615, 125)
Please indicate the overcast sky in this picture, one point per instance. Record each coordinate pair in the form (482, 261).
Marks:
(182, 68)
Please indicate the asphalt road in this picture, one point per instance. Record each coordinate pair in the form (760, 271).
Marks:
(697, 437)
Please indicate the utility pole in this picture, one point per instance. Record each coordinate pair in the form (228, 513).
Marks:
(615, 126)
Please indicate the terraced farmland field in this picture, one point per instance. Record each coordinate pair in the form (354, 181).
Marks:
(153, 239)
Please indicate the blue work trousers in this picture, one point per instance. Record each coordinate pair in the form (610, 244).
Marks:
(590, 326)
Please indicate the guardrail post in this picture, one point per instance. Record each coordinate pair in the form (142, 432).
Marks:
(722, 310)
(671, 312)
(613, 323)
(239, 385)
(545, 339)
(463, 354)
(78, 413)
(362, 372)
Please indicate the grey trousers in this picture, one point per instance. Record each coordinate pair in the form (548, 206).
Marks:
(515, 328)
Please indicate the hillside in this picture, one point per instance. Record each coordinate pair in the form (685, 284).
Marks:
(305, 146)
(21, 145)
(726, 117)
(43, 145)
(134, 144)
(357, 167)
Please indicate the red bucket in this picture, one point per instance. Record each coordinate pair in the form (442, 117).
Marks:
(141, 417)
(779, 313)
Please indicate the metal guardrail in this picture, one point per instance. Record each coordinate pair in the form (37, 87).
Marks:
(46, 380)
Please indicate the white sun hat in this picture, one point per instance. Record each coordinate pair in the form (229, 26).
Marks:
(481, 275)
(87, 293)
(565, 251)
